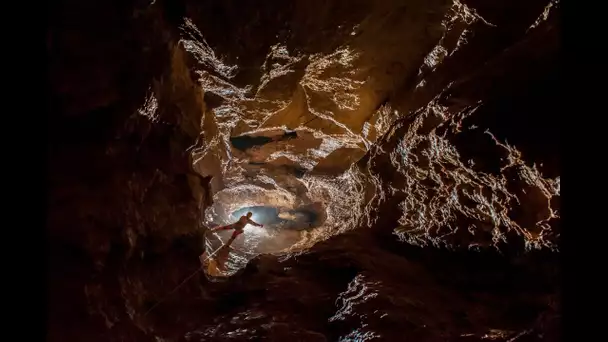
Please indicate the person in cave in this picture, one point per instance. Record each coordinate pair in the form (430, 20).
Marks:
(238, 227)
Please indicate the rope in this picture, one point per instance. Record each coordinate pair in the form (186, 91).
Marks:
(233, 248)
(193, 274)
(304, 124)
(182, 283)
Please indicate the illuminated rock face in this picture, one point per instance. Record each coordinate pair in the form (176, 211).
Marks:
(477, 165)
(391, 148)
(288, 146)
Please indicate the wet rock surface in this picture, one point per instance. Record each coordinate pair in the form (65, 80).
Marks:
(417, 139)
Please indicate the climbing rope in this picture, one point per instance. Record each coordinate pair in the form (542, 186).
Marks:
(182, 283)
(193, 274)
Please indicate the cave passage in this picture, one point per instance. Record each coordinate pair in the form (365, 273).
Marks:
(282, 229)
(274, 218)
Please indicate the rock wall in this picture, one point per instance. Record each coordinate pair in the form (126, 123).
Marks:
(125, 111)
(476, 165)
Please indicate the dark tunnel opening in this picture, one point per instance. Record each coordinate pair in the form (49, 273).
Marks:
(524, 117)
(245, 142)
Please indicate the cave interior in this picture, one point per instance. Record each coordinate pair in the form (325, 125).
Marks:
(401, 155)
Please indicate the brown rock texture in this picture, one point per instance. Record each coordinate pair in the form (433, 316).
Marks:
(402, 155)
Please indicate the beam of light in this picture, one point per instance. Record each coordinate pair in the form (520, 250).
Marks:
(258, 217)
(258, 232)
(253, 234)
